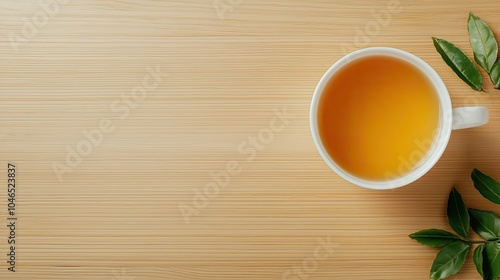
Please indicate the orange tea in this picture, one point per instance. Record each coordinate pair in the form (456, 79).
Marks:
(373, 114)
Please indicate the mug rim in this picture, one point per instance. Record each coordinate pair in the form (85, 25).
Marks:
(440, 141)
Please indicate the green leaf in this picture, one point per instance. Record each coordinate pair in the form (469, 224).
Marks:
(458, 218)
(478, 259)
(495, 74)
(460, 63)
(434, 237)
(491, 261)
(485, 223)
(483, 42)
(449, 260)
(487, 186)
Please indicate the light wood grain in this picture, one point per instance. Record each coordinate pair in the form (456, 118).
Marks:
(116, 216)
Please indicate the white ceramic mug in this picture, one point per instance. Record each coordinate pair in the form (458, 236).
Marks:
(449, 119)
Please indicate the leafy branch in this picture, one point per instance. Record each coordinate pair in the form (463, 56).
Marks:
(455, 248)
(485, 48)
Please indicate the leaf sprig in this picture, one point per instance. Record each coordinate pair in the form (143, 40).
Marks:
(455, 248)
(485, 48)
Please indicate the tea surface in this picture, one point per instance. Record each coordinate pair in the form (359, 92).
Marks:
(377, 117)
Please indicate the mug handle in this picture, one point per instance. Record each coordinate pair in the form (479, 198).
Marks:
(471, 116)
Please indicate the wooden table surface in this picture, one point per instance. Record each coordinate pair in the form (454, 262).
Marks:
(122, 116)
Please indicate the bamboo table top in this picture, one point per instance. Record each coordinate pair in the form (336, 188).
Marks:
(170, 140)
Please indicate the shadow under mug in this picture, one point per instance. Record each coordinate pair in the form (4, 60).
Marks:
(449, 119)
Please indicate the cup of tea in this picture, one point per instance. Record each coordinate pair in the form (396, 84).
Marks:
(382, 117)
